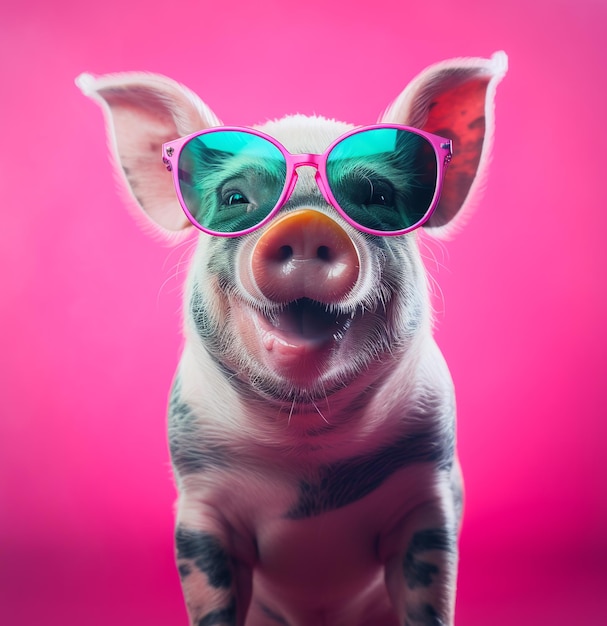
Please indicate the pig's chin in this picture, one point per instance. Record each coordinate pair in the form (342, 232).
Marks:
(299, 343)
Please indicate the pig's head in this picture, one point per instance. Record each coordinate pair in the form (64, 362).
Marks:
(307, 304)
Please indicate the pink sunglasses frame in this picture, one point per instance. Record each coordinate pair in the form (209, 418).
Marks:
(443, 151)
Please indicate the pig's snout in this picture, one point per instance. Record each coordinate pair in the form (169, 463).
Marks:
(305, 254)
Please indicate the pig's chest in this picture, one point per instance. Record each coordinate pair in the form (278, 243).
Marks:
(322, 566)
(321, 542)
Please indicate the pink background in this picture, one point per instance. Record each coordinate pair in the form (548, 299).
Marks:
(89, 311)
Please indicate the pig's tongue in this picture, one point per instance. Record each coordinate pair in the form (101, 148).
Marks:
(299, 338)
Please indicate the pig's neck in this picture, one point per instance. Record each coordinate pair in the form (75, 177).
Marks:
(404, 395)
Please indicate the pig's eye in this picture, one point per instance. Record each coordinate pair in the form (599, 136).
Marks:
(236, 198)
(376, 192)
(379, 193)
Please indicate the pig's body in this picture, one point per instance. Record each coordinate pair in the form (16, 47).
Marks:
(312, 418)
(322, 513)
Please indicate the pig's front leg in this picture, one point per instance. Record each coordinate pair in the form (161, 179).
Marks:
(421, 568)
(216, 584)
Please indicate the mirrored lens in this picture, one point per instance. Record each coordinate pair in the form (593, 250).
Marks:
(383, 178)
(230, 180)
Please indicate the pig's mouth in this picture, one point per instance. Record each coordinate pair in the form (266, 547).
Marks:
(307, 346)
(300, 342)
(308, 321)
(299, 339)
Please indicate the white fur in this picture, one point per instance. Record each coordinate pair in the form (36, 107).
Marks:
(251, 444)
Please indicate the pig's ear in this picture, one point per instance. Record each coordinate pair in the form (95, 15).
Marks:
(455, 99)
(142, 112)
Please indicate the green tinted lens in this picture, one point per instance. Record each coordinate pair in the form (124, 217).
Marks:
(230, 180)
(383, 178)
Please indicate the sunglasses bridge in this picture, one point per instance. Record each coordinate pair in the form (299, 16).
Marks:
(295, 161)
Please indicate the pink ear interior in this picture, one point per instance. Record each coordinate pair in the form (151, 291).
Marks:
(141, 124)
(143, 111)
(454, 99)
(459, 114)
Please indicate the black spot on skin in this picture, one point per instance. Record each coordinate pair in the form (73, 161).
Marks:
(479, 122)
(208, 555)
(191, 451)
(275, 617)
(184, 570)
(426, 615)
(220, 617)
(220, 266)
(216, 340)
(177, 409)
(222, 258)
(199, 312)
(345, 482)
(419, 573)
(432, 539)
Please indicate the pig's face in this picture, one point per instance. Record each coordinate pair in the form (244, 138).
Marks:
(306, 304)
(301, 307)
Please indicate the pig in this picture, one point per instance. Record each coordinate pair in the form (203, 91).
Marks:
(311, 420)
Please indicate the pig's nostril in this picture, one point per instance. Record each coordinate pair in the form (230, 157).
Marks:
(323, 253)
(285, 253)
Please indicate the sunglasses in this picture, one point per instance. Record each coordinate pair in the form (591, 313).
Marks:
(383, 180)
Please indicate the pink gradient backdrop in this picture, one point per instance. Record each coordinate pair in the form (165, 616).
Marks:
(89, 312)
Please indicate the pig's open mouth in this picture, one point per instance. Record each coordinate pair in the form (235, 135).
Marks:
(300, 342)
(308, 321)
(307, 344)
(300, 338)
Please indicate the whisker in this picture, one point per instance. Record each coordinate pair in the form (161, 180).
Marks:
(434, 265)
(320, 413)
(291, 413)
(179, 268)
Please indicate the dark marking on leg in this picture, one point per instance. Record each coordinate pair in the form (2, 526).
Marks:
(208, 555)
(419, 573)
(220, 617)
